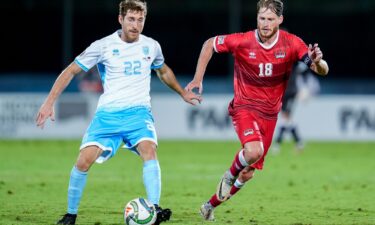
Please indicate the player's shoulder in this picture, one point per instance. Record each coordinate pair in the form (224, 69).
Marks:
(147, 39)
(246, 38)
(288, 36)
(241, 35)
(114, 37)
(238, 38)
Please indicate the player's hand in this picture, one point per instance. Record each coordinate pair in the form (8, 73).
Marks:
(191, 98)
(315, 53)
(195, 85)
(44, 113)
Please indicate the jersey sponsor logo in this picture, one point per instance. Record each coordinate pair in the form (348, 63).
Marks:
(115, 52)
(280, 54)
(220, 40)
(146, 58)
(248, 132)
(252, 55)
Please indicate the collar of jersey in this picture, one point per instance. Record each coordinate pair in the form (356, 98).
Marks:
(118, 33)
(266, 46)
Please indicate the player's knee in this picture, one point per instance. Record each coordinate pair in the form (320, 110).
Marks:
(83, 164)
(87, 157)
(147, 150)
(254, 153)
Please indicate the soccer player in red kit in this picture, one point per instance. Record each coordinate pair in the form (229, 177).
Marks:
(263, 60)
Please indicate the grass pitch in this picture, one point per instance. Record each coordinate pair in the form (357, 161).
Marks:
(329, 183)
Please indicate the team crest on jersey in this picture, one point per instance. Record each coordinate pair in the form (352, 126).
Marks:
(252, 55)
(146, 50)
(280, 54)
(115, 52)
(220, 40)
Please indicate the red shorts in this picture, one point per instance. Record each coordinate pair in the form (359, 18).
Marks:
(250, 127)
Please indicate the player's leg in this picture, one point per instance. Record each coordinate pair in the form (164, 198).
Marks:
(246, 124)
(250, 154)
(77, 181)
(151, 170)
(140, 135)
(97, 145)
(245, 175)
(207, 209)
(152, 178)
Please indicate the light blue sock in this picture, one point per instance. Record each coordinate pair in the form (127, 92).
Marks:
(77, 183)
(152, 180)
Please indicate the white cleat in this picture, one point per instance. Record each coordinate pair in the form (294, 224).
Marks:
(207, 212)
(223, 189)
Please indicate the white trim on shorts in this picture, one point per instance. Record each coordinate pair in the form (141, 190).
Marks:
(131, 148)
(100, 159)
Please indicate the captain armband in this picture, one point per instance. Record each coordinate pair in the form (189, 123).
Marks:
(307, 60)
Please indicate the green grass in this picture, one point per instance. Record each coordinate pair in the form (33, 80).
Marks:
(329, 183)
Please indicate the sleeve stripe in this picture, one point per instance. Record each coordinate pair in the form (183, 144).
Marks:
(81, 65)
(157, 67)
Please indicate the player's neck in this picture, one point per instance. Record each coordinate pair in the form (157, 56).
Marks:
(267, 41)
(126, 39)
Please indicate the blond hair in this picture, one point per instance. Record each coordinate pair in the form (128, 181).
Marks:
(276, 6)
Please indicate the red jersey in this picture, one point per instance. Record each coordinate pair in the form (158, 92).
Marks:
(260, 72)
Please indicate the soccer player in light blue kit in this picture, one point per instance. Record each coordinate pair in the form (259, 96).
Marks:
(124, 60)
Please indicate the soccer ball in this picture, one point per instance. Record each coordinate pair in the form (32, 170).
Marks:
(139, 211)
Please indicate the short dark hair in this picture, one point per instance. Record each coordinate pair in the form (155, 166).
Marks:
(276, 6)
(132, 5)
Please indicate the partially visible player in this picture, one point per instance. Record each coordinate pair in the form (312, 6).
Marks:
(298, 85)
(124, 60)
(263, 60)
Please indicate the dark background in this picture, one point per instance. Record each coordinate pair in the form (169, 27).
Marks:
(34, 38)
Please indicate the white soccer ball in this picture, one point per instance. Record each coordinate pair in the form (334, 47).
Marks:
(139, 211)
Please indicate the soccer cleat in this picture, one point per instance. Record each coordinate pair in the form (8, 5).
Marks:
(162, 215)
(223, 189)
(68, 219)
(207, 212)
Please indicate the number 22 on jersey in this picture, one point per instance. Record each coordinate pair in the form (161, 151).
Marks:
(132, 68)
(265, 69)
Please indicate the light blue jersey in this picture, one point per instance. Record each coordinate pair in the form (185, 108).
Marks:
(123, 112)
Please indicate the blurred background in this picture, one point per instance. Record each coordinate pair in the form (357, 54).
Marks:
(41, 37)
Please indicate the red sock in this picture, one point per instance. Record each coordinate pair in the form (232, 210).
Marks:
(234, 190)
(214, 201)
(237, 166)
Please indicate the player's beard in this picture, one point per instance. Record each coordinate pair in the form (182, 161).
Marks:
(264, 37)
(131, 36)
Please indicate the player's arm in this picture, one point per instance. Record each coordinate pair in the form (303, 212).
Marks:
(318, 65)
(166, 75)
(203, 60)
(62, 81)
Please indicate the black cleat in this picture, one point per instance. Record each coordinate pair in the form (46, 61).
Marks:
(68, 219)
(162, 215)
